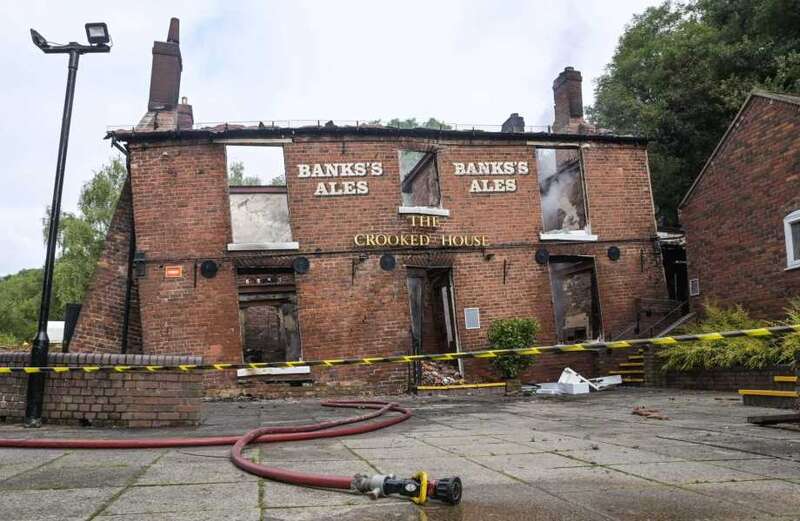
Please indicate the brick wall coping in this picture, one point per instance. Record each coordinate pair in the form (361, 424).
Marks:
(22, 358)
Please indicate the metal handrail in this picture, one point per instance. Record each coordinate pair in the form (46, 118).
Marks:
(634, 328)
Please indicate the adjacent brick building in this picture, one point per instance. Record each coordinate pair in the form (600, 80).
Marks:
(384, 241)
(742, 215)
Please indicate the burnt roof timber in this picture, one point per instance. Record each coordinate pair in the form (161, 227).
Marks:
(384, 132)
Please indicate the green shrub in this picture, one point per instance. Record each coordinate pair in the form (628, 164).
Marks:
(749, 352)
(789, 345)
(513, 333)
(8, 341)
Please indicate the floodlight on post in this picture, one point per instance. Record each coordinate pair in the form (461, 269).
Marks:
(97, 34)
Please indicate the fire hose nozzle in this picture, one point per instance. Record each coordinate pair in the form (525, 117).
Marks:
(418, 488)
(447, 490)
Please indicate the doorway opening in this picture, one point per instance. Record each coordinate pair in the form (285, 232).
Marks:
(268, 315)
(433, 325)
(576, 303)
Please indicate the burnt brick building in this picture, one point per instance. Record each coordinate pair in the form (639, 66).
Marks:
(742, 214)
(383, 241)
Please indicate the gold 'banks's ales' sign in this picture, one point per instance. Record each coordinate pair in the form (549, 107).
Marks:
(499, 173)
(335, 179)
(421, 239)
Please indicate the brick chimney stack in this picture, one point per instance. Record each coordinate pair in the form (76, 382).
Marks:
(165, 76)
(568, 102)
(515, 123)
(164, 112)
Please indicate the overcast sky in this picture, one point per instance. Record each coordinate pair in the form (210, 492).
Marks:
(461, 62)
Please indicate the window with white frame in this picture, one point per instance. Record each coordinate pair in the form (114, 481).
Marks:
(791, 230)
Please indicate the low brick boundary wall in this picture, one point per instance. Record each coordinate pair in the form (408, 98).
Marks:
(731, 379)
(109, 399)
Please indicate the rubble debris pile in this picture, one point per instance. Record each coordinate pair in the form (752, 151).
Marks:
(435, 373)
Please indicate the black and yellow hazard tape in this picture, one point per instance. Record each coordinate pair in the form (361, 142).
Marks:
(405, 359)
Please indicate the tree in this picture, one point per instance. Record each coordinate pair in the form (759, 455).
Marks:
(236, 176)
(413, 123)
(80, 238)
(681, 71)
(81, 235)
(19, 305)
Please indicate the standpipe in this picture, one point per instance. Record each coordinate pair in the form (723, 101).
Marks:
(418, 488)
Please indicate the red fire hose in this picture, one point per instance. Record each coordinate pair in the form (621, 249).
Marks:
(418, 488)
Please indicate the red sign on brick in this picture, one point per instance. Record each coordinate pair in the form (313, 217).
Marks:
(173, 272)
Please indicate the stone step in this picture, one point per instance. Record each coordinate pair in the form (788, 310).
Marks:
(768, 392)
(785, 379)
(769, 398)
(632, 364)
(633, 380)
(635, 357)
(626, 371)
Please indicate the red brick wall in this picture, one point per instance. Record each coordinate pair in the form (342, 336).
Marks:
(182, 217)
(342, 316)
(162, 399)
(734, 217)
(727, 379)
(620, 209)
(100, 327)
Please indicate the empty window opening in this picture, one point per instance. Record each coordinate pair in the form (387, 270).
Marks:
(561, 191)
(268, 316)
(433, 329)
(258, 199)
(576, 303)
(419, 179)
(255, 165)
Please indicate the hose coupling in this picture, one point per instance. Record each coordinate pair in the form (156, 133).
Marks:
(418, 488)
(371, 485)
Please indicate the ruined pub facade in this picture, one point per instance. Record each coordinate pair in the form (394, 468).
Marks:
(383, 242)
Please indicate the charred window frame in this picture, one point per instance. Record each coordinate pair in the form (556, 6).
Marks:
(420, 189)
(791, 230)
(562, 193)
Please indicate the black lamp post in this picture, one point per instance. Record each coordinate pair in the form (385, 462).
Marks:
(97, 34)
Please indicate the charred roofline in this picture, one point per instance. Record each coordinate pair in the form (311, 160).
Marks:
(271, 132)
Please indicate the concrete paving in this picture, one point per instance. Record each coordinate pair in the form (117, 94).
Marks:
(575, 458)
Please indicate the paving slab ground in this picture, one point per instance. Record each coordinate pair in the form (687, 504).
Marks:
(554, 458)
